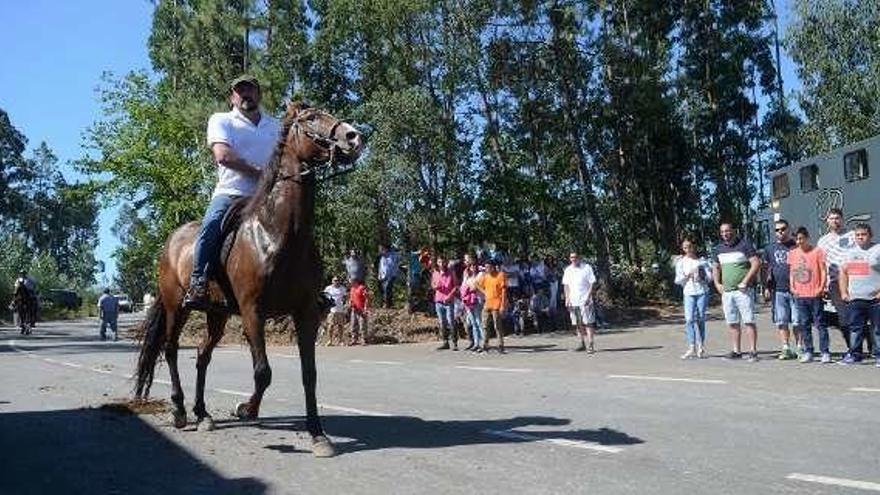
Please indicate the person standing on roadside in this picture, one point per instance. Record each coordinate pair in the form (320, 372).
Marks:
(578, 281)
(693, 274)
(860, 288)
(808, 281)
(108, 311)
(354, 267)
(445, 288)
(493, 285)
(835, 244)
(734, 272)
(358, 300)
(473, 304)
(387, 274)
(336, 324)
(777, 289)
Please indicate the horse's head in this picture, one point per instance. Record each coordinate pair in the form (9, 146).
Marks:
(318, 138)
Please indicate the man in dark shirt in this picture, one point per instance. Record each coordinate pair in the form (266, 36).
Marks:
(777, 290)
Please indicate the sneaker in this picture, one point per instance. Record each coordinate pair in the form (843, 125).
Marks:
(479, 350)
(848, 360)
(580, 348)
(826, 358)
(733, 355)
(807, 357)
(753, 357)
(443, 347)
(690, 354)
(591, 349)
(787, 354)
(701, 352)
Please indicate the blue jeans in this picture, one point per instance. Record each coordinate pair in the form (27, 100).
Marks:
(386, 287)
(809, 310)
(207, 248)
(695, 318)
(446, 315)
(862, 312)
(476, 326)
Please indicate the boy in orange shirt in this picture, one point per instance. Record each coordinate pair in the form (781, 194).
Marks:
(807, 277)
(493, 284)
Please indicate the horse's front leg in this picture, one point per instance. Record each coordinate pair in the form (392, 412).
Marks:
(254, 330)
(306, 333)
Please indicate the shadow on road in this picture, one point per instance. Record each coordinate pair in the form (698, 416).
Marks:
(91, 451)
(386, 432)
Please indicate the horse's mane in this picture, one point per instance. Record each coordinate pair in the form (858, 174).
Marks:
(270, 173)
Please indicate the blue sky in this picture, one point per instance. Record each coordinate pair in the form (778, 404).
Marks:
(55, 53)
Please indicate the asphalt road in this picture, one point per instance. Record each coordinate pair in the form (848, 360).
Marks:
(633, 418)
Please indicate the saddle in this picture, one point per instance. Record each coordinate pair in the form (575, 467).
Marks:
(229, 226)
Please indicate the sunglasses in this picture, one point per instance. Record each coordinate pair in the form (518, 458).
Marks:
(783, 229)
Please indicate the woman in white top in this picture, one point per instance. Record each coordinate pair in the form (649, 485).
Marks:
(693, 274)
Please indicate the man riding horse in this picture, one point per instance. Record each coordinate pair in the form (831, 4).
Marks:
(242, 142)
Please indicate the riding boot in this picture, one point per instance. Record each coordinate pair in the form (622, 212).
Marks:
(196, 296)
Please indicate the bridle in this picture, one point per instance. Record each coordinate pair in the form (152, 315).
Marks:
(325, 141)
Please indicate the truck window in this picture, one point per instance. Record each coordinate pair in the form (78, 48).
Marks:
(780, 186)
(855, 165)
(809, 178)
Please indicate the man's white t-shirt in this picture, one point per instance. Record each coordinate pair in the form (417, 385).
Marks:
(255, 144)
(579, 279)
(338, 296)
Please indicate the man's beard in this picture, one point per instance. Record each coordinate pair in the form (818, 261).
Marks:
(248, 105)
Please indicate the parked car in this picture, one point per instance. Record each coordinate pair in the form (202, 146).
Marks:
(62, 298)
(125, 304)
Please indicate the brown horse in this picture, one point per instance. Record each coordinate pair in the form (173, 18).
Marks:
(273, 269)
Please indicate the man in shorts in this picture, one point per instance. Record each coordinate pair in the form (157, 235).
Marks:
(777, 289)
(735, 269)
(578, 281)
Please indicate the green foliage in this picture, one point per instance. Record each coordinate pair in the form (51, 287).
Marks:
(836, 45)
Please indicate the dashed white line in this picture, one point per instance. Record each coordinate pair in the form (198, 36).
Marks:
(666, 379)
(367, 361)
(825, 480)
(490, 368)
(230, 392)
(562, 442)
(352, 410)
(99, 370)
(864, 389)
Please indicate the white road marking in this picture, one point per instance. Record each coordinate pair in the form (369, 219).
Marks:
(864, 389)
(366, 361)
(825, 480)
(231, 392)
(72, 365)
(562, 442)
(666, 379)
(163, 382)
(99, 370)
(352, 410)
(489, 368)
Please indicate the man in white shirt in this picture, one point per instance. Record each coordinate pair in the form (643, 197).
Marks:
(242, 141)
(578, 281)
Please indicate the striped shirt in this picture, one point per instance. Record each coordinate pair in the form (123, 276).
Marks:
(734, 262)
(835, 247)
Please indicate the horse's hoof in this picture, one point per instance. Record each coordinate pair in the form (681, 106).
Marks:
(206, 424)
(179, 420)
(322, 447)
(243, 411)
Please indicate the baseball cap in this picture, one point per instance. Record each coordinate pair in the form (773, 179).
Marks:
(244, 78)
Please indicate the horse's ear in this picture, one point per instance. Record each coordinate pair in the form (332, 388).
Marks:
(296, 106)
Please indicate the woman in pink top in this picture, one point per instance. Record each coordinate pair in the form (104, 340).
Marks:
(445, 290)
(470, 297)
(807, 278)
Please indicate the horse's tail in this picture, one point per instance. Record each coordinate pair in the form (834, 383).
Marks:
(151, 347)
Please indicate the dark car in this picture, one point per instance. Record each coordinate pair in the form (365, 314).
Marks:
(62, 298)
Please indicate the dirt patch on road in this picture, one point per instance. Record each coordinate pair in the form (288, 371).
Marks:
(136, 406)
